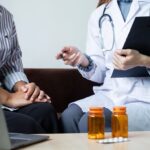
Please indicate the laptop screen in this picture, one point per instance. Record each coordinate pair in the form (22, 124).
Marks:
(4, 141)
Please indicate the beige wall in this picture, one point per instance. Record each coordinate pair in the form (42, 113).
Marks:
(45, 26)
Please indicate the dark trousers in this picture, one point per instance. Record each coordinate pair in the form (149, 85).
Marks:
(34, 118)
(74, 120)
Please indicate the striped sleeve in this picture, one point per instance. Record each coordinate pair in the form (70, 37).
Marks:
(12, 70)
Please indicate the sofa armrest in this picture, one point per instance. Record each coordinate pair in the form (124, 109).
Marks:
(62, 85)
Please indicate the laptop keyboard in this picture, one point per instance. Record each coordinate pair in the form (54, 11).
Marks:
(20, 140)
(15, 138)
(15, 141)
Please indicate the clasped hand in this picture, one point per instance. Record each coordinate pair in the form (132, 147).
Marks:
(25, 94)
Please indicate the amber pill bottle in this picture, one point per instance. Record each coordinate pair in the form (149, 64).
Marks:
(119, 122)
(96, 123)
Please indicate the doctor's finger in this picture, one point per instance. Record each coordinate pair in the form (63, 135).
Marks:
(120, 66)
(59, 55)
(66, 56)
(74, 49)
(116, 66)
(69, 57)
(66, 49)
(71, 61)
(79, 59)
(124, 52)
(66, 62)
(75, 60)
(117, 61)
(121, 59)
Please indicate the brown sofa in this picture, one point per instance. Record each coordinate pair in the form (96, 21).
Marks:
(62, 85)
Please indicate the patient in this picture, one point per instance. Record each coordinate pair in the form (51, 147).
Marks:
(27, 108)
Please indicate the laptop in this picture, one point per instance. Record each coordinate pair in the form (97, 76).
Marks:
(10, 141)
(138, 39)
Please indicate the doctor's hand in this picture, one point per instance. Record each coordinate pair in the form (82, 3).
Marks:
(72, 56)
(127, 59)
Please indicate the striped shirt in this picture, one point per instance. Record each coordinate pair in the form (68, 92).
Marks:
(11, 68)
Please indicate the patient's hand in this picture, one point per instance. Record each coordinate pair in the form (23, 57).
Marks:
(32, 92)
(16, 100)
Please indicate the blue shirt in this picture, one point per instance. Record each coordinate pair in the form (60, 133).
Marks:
(124, 7)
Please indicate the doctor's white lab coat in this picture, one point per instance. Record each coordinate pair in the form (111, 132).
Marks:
(114, 91)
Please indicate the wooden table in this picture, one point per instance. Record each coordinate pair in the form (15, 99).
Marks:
(137, 141)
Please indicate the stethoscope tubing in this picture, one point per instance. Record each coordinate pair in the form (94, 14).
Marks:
(101, 19)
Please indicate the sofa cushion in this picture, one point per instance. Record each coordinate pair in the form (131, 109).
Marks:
(62, 85)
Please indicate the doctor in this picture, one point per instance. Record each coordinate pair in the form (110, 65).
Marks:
(103, 54)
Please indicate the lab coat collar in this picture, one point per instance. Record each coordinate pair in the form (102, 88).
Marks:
(133, 10)
(114, 9)
(135, 6)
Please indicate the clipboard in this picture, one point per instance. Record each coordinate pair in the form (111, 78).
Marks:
(138, 39)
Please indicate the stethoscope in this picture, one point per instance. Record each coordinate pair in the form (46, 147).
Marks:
(101, 20)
